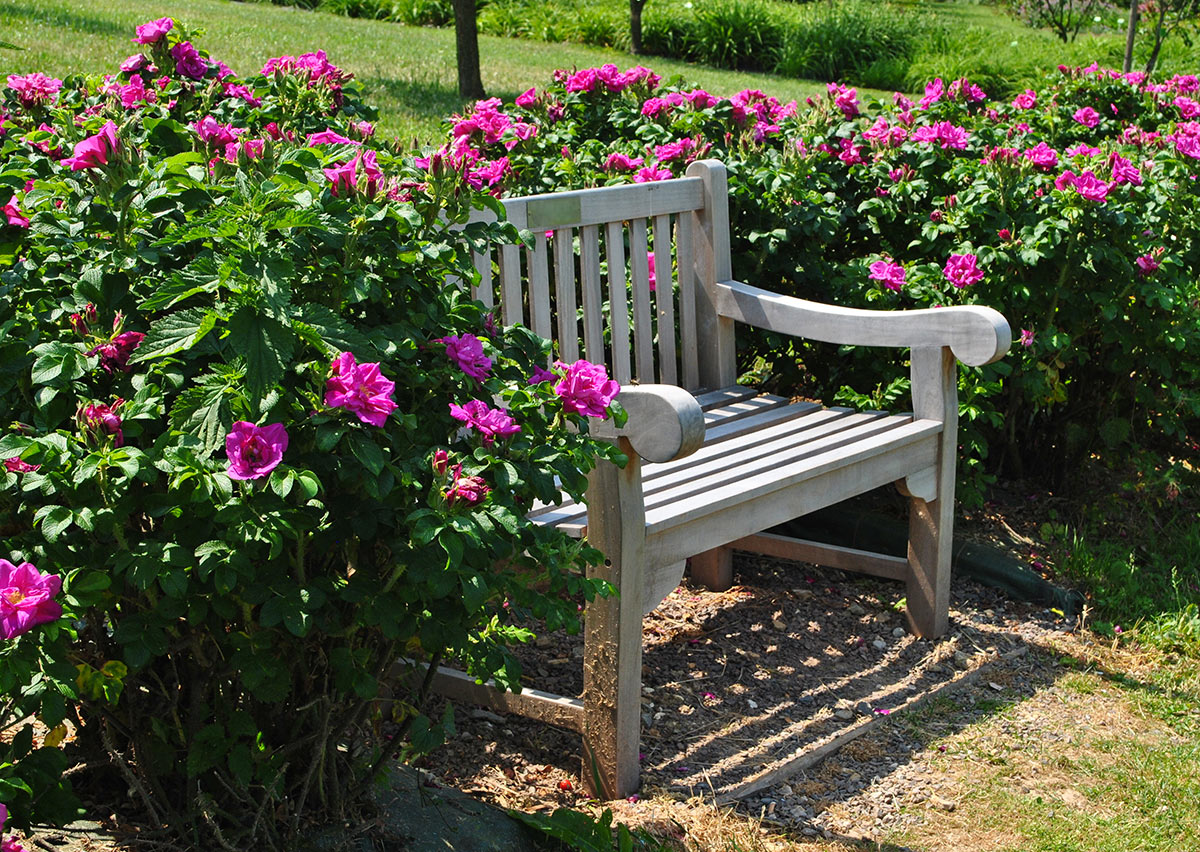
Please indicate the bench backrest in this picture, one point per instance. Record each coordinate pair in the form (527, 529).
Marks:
(586, 279)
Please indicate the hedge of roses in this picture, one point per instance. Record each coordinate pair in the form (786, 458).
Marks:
(1070, 208)
(256, 447)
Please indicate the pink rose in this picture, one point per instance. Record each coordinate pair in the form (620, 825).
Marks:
(329, 137)
(1042, 156)
(490, 423)
(1027, 337)
(151, 31)
(650, 174)
(114, 355)
(100, 420)
(254, 451)
(26, 600)
(961, 270)
(16, 465)
(34, 89)
(891, 275)
(14, 215)
(466, 351)
(1026, 100)
(440, 462)
(586, 389)
(1087, 116)
(622, 163)
(527, 98)
(94, 151)
(361, 389)
(188, 60)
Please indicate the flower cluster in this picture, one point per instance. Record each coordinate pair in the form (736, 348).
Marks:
(361, 389)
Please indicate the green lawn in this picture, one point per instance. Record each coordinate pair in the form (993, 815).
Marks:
(409, 72)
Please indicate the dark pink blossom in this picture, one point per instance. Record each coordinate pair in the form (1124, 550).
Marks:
(1087, 185)
(137, 62)
(151, 31)
(114, 355)
(16, 465)
(844, 98)
(239, 90)
(344, 179)
(440, 462)
(1082, 150)
(101, 420)
(1027, 337)
(26, 600)
(361, 389)
(527, 98)
(961, 270)
(34, 89)
(94, 151)
(944, 133)
(1086, 116)
(254, 451)
(252, 149)
(329, 137)
(850, 153)
(540, 374)
(1124, 171)
(622, 163)
(649, 174)
(188, 60)
(469, 490)
(1149, 263)
(215, 133)
(586, 389)
(316, 67)
(466, 351)
(888, 273)
(1187, 107)
(490, 423)
(674, 150)
(933, 93)
(1041, 155)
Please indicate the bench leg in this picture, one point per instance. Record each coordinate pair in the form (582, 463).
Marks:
(612, 648)
(931, 521)
(713, 569)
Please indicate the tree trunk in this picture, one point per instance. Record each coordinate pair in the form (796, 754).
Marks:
(635, 26)
(466, 37)
(1159, 37)
(1130, 33)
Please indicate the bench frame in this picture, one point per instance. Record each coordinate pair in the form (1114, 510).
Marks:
(666, 423)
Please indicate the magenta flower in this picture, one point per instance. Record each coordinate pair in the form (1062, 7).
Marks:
(94, 151)
(649, 174)
(34, 89)
(14, 215)
(1042, 156)
(1087, 185)
(361, 389)
(114, 355)
(26, 600)
(527, 98)
(16, 465)
(440, 462)
(1027, 336)
(540, 374)
(1149, 263)
(586, 389)
(1087, 116)
(102, 420)
(136, 62)
(622, 163)
(1124, 171)
(254, 451)
(151, 31)
(188, 60)
(1082, 150)
(933, 93)
(469, 490)
(850, 153)
(329, 137)
(946, 134)
(1026, 100)
(466, 351)
(961, 270)
(1188, 108)
(213, 132)
(674, 150)
(490, 423)
(844, 98)
(891, 275)
(344, 178)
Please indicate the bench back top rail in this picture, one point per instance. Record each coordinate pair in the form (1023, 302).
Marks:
(618, 270)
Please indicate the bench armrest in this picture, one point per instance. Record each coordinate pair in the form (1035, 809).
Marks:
(976, 335)
(665, 422)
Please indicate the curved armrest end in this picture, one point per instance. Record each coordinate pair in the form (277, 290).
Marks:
(985, 337)
(665, 421)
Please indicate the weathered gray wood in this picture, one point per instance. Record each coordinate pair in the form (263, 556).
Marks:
(557, 710)
(511, 289)
(711, 262)
(661, 579)
(483, 290)
(829, 555)
(539, 287)
(930, 524)
(664, 301)
(618, 308)
(564, 294)
(643, 324)
(612, 661)
(685, 267)
(921, 484)
(713, 568)
(665, 422)
(593, 299)
(977, 335)
(604, 204)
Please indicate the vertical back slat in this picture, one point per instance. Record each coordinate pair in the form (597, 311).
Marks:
(684, 242)
(664, 300)
(643, 325)
(593, 298)
(564, 294)
(510, 285)
(539, 287)
(483, 290)
(618, 308)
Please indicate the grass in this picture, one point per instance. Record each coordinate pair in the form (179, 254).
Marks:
(409, 72)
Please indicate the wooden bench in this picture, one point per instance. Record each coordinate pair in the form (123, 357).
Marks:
(712, 464)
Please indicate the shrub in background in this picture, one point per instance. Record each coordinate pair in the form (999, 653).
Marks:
(264, 444)
(1069, 208)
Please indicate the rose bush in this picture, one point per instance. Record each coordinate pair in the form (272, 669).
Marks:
(1070, 209)
(236, 488)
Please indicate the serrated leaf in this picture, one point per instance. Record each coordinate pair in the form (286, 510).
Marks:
(333, 330)
(175, 333)
(203, 410)
(57, 362)
(368, 453)
(264, 344)
(202, 275)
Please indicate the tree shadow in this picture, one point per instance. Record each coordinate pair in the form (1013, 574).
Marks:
(76, 20)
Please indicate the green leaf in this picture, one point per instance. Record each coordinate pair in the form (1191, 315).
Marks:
(368, 453)
(175, 333)
(203, 410)
(200, 276)
(264, 344)
(334, 332)
(57, 362)
(54, 520)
